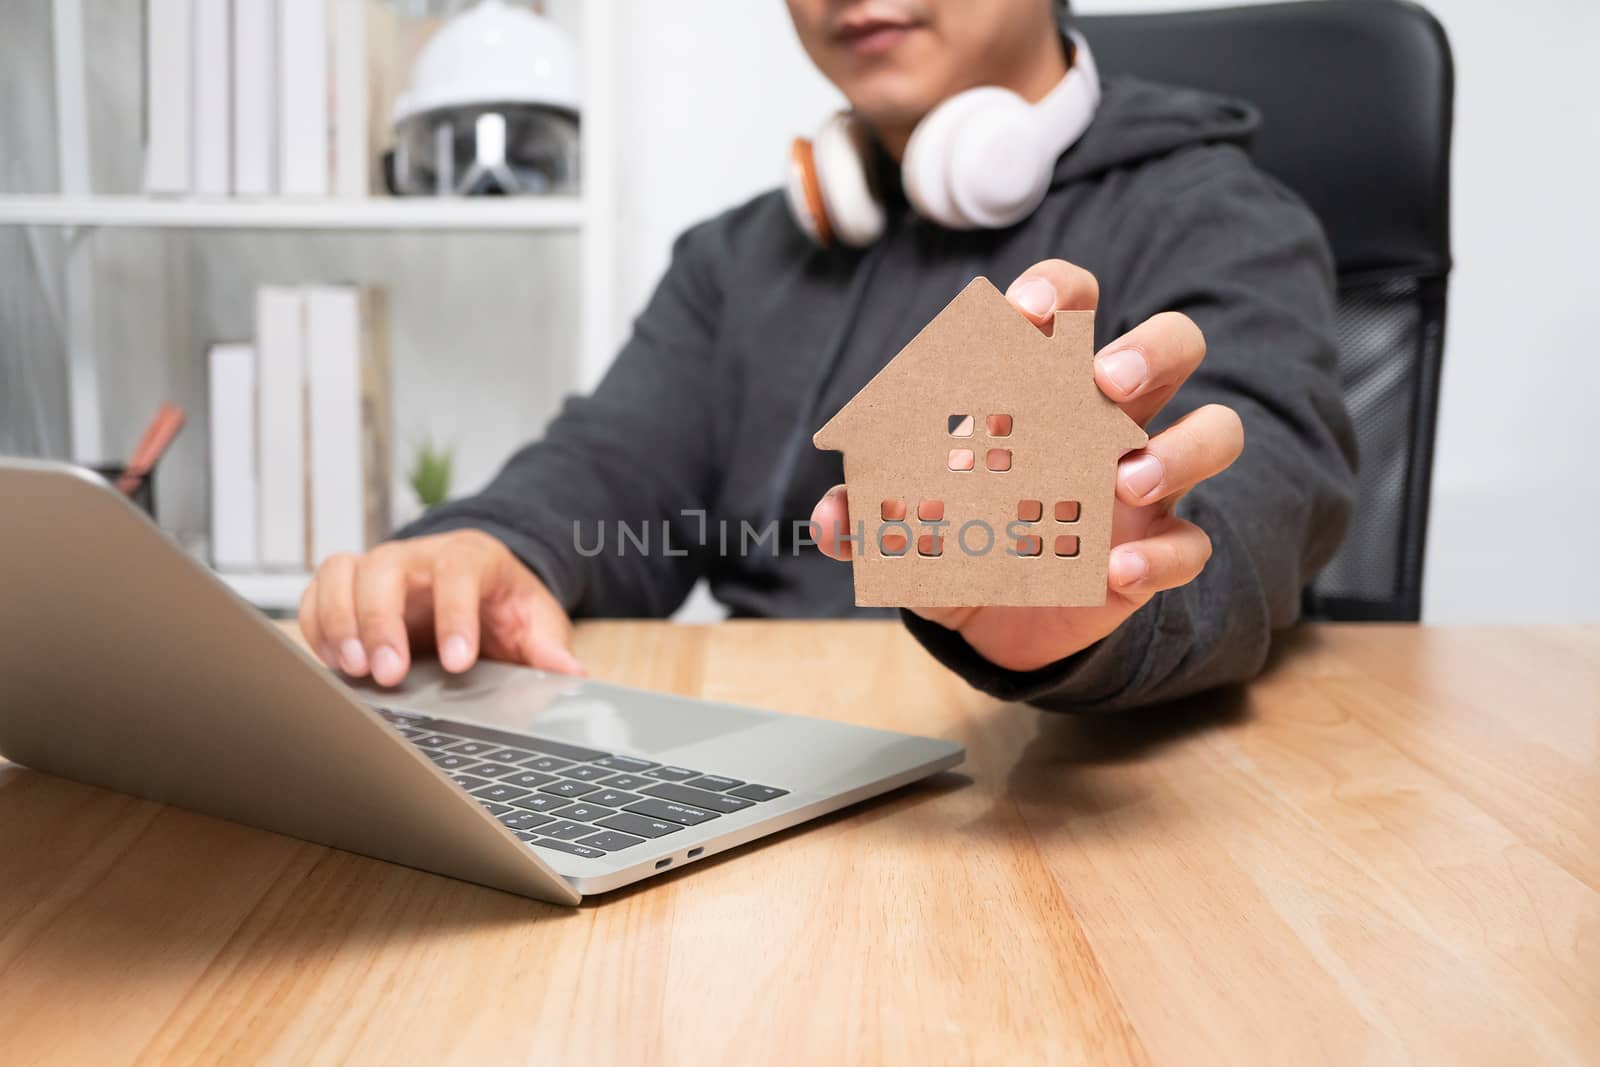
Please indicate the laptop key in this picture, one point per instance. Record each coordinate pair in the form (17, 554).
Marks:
(526, 835)
(611, 841)
(433, 741)
(475, 748)
(672, 774)
(585, 772)
(586, 812)
(499, 792)
(406, 717)
(626, 781)
(469, 783)
(570, 847)
(412, 731)
(713, 782)
(530, 779)
(566, 751)
(541, 802)
(613, 798)
(492, 770)
(568, 788)
(628, 822)
(496, 810)
(758, 792)
(682, 814)
(699, 797)
(567, 831)
(625, 763)
(547, 763)
(524, 820)
(503, 738)
(509, 755)
(450, 761)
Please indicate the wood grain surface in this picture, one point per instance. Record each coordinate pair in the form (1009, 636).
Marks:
(1386, 850)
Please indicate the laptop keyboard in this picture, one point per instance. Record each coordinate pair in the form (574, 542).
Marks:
(571, 799)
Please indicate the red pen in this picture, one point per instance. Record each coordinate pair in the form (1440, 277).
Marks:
(158, 435)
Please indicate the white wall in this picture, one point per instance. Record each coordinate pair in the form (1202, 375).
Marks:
(713, 91)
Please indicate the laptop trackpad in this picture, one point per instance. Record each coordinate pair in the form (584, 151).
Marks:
(592, 714)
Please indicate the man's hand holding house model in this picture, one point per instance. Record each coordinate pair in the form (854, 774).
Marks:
(1152, 549)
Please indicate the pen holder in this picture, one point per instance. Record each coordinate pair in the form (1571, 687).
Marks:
(143, 497)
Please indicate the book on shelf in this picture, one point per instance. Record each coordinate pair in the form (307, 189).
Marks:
(350, 43)
(168, 109)
(255, 89)
(281, 421)
(351, 417)
(303, 121)
(274, 97)
(232, 417)
(324, 423)
(211, 98)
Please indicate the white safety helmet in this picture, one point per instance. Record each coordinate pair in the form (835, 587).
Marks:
(492, 108)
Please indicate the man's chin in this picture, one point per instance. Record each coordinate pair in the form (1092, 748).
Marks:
(891, 103)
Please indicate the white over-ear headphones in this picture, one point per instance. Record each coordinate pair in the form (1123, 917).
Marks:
(980, 160)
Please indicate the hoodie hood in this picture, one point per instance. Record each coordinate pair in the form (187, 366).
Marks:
(1139, 120)
(1136, 121)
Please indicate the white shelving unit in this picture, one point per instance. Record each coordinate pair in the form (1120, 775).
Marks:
(589, 215)
(371, 214)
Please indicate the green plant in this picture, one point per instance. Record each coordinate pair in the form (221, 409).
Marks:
(430, 474)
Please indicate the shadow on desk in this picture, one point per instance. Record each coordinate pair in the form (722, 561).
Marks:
(1094, 771)
(149, 887)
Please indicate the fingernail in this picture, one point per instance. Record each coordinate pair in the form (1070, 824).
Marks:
(571, 664)
(1036, 296)
(352, 657)
(1128, 567)
(1141, 475)
(386, 666)
(1125, 369)
(456, 654)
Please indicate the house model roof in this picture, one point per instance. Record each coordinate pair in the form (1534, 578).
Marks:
(981, 344)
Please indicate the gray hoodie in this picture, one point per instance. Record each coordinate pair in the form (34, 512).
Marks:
(699, 436)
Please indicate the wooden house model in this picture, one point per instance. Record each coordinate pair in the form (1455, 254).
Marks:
(981, 463)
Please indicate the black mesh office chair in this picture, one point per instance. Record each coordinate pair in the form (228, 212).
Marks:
(1355, 98)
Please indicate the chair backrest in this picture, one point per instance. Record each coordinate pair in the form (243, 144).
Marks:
(1356, 104)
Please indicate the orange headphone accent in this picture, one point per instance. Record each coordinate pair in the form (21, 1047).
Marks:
(803, 166)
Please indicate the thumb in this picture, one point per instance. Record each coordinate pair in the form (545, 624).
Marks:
(830, 524)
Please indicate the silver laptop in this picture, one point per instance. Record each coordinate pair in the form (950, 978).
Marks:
(127, 665)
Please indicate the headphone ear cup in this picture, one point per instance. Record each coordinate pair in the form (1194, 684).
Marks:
(975, 161)
(925, 168)
(998, 170)
(849, 190)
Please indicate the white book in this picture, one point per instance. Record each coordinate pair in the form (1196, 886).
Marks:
(350, 147)
(347, 368)
(234, 528)
(303, 165)
(168, 109)
(212, 98)
(255, 104)
(281, 427)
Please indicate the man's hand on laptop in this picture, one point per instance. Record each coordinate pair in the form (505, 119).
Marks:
(462, 593)
(1152, 549)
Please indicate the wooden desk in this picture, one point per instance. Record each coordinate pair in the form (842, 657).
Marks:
(1387, 850)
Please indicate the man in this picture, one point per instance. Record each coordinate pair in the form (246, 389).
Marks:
(1154, 217)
